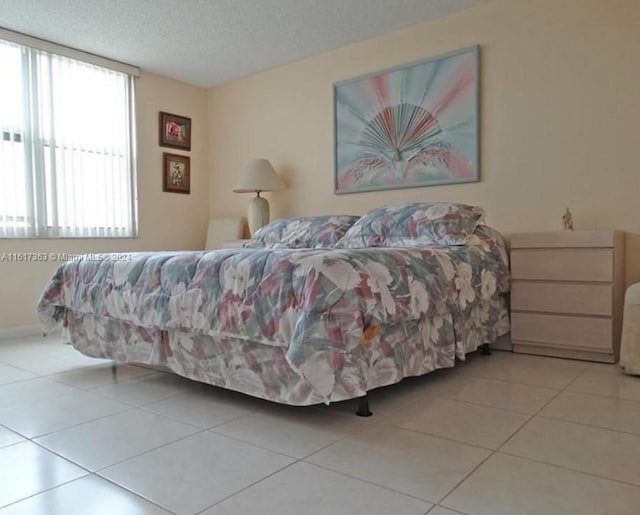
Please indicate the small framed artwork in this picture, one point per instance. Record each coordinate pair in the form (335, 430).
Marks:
(176, 176)
(175, 131)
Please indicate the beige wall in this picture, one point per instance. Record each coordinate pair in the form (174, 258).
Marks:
(167, 221)
(560, 117)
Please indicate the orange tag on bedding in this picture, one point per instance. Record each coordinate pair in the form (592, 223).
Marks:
(369, 334)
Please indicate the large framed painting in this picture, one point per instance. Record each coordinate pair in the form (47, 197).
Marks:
(414, 125)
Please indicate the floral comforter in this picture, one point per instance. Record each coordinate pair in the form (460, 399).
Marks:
(315, 304)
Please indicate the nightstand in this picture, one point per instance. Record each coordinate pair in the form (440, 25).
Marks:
(567, 294)
(233, 244)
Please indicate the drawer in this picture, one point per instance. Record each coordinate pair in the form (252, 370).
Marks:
(566, 239)
(579, 299)
(562, 264)
(590, 333)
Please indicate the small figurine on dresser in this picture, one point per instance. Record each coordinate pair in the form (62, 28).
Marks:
(567, 220)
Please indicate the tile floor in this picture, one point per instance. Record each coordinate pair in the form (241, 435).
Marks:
(505, 434)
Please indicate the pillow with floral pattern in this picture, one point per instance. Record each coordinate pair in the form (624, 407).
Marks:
(305, 232)
(414, 224)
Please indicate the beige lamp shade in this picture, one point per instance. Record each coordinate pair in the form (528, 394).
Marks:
(258, 176)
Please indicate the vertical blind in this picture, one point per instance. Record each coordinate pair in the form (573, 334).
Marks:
(66, 147)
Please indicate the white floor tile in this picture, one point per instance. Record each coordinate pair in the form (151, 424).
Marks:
(413, 463)
(24, 348)
(47, 415)
(295, 431)
(439, 381)
(502, 394)
(23, 393)
(26, 469)
(607, 380)
(8, 437)
(439, 510)
(305, 489)
(588, 449)
(89, 495)
(389, 398)
(200, 408)
(100, 375)
(192, 474)
(43, 358)
(106, 441)
(595, 410)
(460, 421)
(533, 370)
(508, 485)
(144, 390)
(11, 374)
(58, 364)
(397, 461)
(54, 337)
(382, 400)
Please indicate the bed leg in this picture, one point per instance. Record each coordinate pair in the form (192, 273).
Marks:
(485, 350)
(363, 407)
(114, 369)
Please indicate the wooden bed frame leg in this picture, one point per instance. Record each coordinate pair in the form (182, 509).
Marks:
(363, 407)
(485, 350)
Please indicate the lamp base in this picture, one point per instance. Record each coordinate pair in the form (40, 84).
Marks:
(258, 214)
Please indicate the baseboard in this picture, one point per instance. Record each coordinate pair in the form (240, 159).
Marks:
(20, 331)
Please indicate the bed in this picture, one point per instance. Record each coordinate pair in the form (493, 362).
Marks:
(314, 310)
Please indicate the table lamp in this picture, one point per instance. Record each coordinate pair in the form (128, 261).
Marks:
(258, 176)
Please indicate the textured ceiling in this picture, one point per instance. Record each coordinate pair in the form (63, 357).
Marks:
(208, 42)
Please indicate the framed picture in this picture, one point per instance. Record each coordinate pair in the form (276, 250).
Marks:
(176, 176)
(414, 125)
(175, 131)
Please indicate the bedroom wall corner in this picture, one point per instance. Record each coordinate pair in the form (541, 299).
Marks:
(559, 117)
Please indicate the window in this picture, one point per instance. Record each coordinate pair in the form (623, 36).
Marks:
(66, 151)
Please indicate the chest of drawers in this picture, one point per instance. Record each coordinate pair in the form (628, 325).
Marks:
(567, 293)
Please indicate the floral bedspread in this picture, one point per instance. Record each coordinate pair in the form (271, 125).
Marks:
(318, 305)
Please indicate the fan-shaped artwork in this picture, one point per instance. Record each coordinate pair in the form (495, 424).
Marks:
(416, 125)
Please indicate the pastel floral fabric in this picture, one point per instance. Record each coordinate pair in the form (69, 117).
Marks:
(325, 310)
(305, 232)
(418, 223)
(395, 352)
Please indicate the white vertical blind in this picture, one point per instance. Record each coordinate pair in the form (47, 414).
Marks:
(66, 167)
(16, 213)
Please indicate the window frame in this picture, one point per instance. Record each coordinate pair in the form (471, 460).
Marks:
(35, 146)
